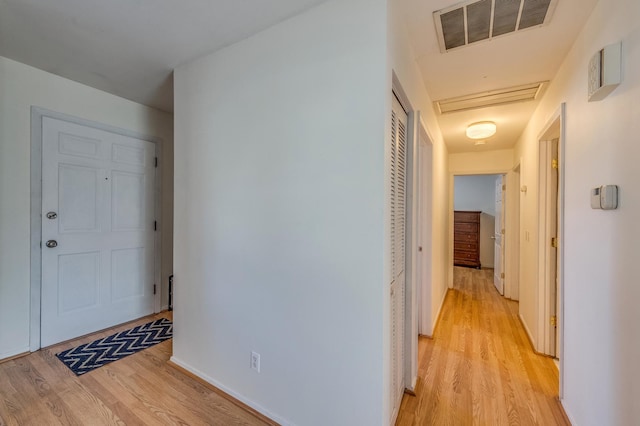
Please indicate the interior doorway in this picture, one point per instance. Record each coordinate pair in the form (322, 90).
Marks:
(550, 231)
(476, 220)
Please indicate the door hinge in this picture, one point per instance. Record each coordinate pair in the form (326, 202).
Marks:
(502, 275)
(554, 242)
(155, 225)
(554, 321)
(554, 164)
(154, 289)
(156, 160)
(504, 187)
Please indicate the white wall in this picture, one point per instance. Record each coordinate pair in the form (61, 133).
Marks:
(403, 63)
(478, 193)
(475, 192)
(485, 162)
(601, 292)
(279, 242)
(21, 87)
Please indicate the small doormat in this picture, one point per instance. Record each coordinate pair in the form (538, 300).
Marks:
(90, 356)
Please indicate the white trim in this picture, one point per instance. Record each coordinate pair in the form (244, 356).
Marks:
(15, 352)
(259, 408)
(526, 329)
(550, 131)
(37, 115)
(436, 317)
(425, 230)
(513, 217)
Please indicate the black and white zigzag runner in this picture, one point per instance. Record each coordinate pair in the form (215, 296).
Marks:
(89, 356)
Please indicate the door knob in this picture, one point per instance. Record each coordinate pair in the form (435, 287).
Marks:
(52, 243)
(52, 215)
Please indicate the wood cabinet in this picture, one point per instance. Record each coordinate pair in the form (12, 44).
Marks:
(466, 239)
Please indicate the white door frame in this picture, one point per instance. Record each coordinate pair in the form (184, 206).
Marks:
(417, 133)
(512, 242)
(555, 128)
(410, 363)
(37, 115)
(424, 230)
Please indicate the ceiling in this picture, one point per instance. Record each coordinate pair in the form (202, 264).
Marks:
(527, 56)
(130, 47)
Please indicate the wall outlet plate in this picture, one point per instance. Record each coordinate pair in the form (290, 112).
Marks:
(255, 361)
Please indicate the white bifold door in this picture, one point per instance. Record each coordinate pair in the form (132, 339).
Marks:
(397, 205)
(98, 235)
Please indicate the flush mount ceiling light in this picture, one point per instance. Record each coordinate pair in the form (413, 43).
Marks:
(481, 130)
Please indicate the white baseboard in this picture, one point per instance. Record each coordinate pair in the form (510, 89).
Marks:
(526, 329)
(11, 354)
(232, 393)
(437, 317)
(573, 422)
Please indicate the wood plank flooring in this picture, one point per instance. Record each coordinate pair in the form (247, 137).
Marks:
(479, 368)
(140, 389)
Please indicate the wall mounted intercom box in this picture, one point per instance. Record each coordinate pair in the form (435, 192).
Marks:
(605, 197)
(605, 72)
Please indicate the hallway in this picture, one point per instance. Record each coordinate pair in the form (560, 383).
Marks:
(479, 369)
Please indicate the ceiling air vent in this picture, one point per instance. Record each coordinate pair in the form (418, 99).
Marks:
(527, 92)
(475, 21)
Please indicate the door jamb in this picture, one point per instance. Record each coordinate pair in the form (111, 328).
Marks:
(37, 115)
(555, 127)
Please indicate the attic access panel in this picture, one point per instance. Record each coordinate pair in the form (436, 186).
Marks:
(478, 20)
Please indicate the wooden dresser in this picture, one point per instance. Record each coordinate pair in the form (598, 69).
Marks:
(466, 239)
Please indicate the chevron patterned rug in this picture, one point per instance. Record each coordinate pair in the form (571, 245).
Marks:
(90, 356)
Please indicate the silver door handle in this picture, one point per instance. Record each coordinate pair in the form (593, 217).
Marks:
(52, 215)
(493, 237)
(52, 243)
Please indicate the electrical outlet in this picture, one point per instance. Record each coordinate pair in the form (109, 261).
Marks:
(255, 361)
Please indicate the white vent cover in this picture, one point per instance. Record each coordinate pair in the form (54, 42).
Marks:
(527, 92)
(479, 20)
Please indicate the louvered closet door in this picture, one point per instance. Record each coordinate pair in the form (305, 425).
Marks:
(397, 200)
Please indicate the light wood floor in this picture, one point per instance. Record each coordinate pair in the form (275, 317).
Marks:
(140, 389)
(479, 368)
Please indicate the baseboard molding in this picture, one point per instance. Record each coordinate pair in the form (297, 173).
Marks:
(564, 412)
(528, 332)
(439, 313)
(10, 356)
(239, 400)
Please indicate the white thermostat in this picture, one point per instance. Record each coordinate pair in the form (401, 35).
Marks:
(605, 197)
(605, 72)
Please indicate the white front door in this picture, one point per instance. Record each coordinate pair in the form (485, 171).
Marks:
(97, 229)
(498, 277)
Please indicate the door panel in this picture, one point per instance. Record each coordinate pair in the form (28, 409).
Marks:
(100, 185)
(78, 281)
(78, 199)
